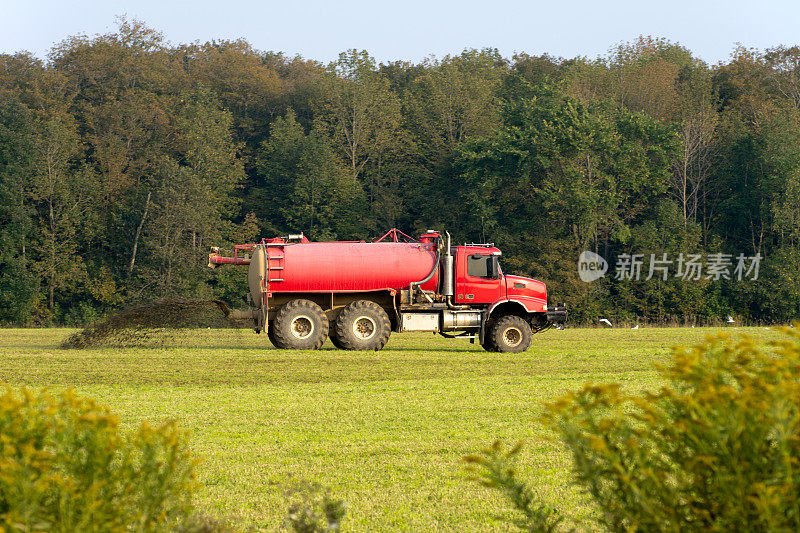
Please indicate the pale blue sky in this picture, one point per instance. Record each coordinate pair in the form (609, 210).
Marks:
(413, 29)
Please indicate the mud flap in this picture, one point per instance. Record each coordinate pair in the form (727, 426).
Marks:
(482, 330)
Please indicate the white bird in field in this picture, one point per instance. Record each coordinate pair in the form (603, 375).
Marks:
(635, 327)
(730, 319)
(605, 322)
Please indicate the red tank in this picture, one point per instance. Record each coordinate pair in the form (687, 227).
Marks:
(355, 266)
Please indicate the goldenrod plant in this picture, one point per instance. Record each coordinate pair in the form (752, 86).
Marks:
(717, 448)
(312, 509)
(66, 466)
(495, 467)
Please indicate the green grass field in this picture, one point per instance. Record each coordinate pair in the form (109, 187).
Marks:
(385, 431)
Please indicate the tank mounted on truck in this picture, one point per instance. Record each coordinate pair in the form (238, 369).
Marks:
(358, 293)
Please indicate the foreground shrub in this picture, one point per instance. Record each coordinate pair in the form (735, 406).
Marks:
(495, 467)
(198, 523)
(312, 509)
(716, 449)
(66, 466)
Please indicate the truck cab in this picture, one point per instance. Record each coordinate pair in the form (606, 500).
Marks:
(480, 280)
(515, 303)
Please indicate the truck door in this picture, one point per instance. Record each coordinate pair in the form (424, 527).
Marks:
(478, 280)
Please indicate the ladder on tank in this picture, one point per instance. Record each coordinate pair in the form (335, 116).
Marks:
(275, 262)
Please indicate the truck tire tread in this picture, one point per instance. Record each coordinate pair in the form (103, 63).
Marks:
(332, 336)
(271, 336)
(283, 320)
(488, 342)
(355, 310)
(499, 338)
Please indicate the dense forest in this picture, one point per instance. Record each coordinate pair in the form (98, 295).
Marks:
(124, 157)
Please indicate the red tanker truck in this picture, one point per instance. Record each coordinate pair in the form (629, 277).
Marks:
(357, 293)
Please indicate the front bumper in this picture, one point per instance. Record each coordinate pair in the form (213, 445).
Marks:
(557, 314)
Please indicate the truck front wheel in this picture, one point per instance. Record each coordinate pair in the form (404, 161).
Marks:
(511, 334)
(488, 338)
(300, 325)
(363, 325)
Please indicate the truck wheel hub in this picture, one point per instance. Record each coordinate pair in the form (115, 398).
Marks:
(302, 327)
(364, 327)
(512, 337)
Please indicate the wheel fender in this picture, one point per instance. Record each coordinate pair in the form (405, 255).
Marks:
(525, 306)
(514, 306)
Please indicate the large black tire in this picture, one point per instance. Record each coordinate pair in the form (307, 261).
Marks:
(271, 336)
(363, 325)
(488, 343)
(332, 336)
(489, 346)
(511, 334)
(300, 325)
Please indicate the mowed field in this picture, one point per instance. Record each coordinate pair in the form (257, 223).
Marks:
(386, 431)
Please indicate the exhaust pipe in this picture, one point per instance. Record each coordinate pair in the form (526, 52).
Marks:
(448, 281)
(449, 278)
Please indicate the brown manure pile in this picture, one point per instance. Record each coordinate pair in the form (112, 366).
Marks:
(154, 321)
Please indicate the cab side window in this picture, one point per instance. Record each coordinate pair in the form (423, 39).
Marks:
(480, 266)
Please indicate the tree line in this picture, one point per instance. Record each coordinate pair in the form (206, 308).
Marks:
(124, 157)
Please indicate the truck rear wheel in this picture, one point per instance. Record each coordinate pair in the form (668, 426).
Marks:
(363, 325)
(300, 325)
(332, 336)
(271, 335)
(510, 334)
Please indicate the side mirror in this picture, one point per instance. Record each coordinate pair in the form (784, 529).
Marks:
(496, 268)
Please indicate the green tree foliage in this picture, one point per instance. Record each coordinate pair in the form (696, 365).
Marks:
(319, 194)
(359, 111)
(456, 98)
(61, 192)
(672, 299)
(571, 176)
(362, 116)
(18, 284)
(715, 449)
(244, 84)
(193, 196)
